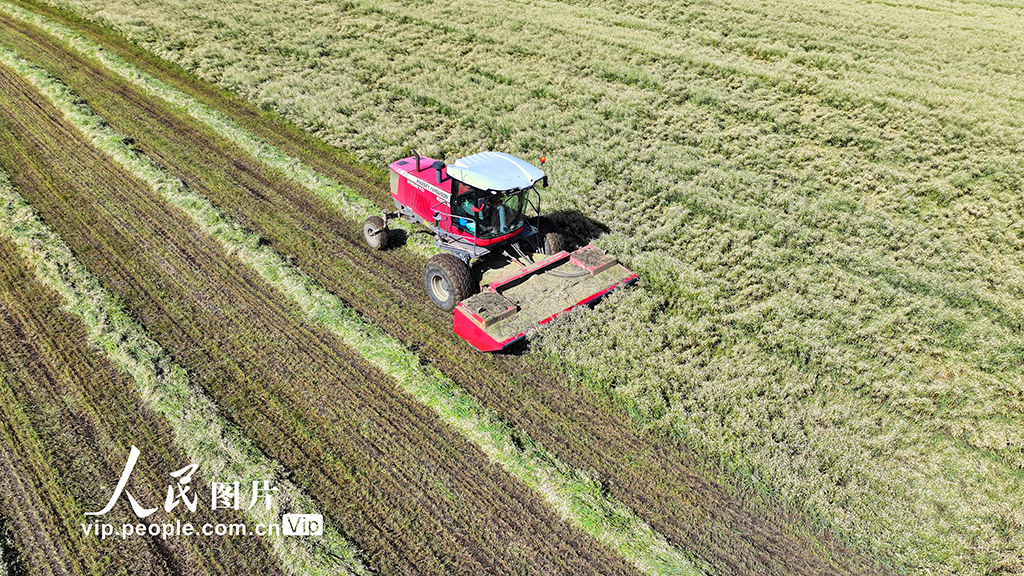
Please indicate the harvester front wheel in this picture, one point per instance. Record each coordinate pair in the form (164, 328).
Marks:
(448, 281)
(551, 235)
(375, 231)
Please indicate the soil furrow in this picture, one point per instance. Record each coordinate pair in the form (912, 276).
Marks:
(260, 362)
(85, 416)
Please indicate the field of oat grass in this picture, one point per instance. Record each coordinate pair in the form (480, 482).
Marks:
(823, 201)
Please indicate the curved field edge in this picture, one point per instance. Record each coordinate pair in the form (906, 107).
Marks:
(199, 429)
(576, 497)
(932, 488)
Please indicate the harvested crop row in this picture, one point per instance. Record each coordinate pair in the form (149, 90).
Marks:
(703, 517)
(69, 418)
(409, 491)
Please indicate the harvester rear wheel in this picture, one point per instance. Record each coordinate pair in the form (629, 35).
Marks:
(375, 231)
(552, 237)
(448, 281)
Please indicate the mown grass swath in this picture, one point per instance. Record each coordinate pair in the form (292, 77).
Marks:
(577, 498)
(824, 209)
(203, 434)
(70, 416)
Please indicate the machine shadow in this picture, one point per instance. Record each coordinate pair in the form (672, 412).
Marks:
(397, 238)
(577, 228)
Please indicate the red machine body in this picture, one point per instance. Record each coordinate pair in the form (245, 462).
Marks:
(503, 272)
(435, 195)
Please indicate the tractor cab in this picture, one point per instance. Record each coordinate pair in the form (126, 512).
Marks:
(487, 215)
(489, 196)
(473, 204)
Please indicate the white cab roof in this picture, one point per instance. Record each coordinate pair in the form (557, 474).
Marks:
(495, 171)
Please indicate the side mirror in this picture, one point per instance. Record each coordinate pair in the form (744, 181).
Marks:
(545, 181)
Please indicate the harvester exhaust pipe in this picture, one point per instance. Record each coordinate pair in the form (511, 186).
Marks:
(417, 154)
(438, 166)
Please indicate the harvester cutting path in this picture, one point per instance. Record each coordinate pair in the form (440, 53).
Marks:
(504, 269)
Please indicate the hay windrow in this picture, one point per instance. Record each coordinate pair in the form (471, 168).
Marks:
(201, 432)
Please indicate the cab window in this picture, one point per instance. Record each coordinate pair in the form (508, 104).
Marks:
(464, 199)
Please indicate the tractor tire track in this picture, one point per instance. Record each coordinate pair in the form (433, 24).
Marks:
(412, 493)
(654, 476)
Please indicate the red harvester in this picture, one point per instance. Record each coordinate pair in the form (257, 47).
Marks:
(504, 268)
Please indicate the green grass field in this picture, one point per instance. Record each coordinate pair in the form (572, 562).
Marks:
(822, 200)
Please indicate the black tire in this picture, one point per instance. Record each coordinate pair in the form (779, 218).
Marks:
(551, 236)
(375, 231)
(447, 280)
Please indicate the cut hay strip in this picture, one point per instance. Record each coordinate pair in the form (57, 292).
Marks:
(347, 201)
(575, 496)
(221, 450)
